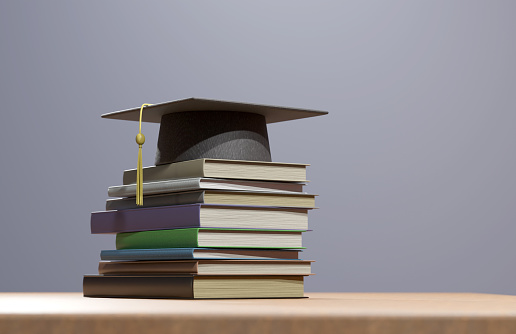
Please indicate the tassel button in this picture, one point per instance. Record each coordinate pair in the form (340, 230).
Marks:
(140, 139)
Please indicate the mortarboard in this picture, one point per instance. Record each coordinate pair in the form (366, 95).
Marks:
(195, 128)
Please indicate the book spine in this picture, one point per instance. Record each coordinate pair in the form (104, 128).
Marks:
(160, 218)
(185, 169)
(138, 286)
(179, 238)
(148, 254)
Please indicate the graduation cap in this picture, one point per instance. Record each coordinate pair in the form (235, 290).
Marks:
(197, 128)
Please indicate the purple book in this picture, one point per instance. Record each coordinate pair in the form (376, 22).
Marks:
(199, 215)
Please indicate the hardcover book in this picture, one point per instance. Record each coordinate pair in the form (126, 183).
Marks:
(216, 197)
(209, 238)
(198, 215)
(197, 183)
(197, 253)
(223, 169)
(206, 267)
(193, 286)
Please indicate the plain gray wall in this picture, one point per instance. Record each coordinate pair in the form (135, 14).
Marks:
(415, 165)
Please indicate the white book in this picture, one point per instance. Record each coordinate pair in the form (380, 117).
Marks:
(198, 183)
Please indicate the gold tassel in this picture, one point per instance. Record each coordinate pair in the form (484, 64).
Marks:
(139, 181)
(140, 140)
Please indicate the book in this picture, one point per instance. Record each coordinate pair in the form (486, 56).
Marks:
(209, 238)
(198, 215)
(223, 169)
(216, 197)
(206, 267)
(193, 286)
(196, 253)
(198, 183)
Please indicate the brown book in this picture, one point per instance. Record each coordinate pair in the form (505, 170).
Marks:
(193, 286)
(206, 267)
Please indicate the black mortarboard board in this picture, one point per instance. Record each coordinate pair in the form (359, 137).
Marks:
(197, 128)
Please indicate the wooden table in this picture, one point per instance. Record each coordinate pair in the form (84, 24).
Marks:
(411, 313)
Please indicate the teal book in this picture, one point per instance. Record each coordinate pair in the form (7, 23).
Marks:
(164, 254)
(210, 238)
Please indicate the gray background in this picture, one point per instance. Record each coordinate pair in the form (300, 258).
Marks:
(414, 165)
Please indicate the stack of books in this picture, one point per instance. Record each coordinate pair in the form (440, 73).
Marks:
(208, 228)
(219, 219)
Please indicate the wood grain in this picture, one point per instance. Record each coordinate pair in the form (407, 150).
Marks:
(371, 313)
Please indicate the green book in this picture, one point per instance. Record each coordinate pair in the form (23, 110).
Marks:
(208, 237)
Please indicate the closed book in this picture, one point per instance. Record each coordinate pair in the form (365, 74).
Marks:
(196, 253)
(209, 238)
(198, 215)
(193, 286)
(198, 183)
(206, 267)
(216, 197)
(224, 169)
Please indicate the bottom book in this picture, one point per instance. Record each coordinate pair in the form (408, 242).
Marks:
(193, 286)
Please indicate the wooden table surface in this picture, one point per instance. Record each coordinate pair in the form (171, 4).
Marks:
(414, 313)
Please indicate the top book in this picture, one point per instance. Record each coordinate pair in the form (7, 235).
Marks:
(224, 169)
